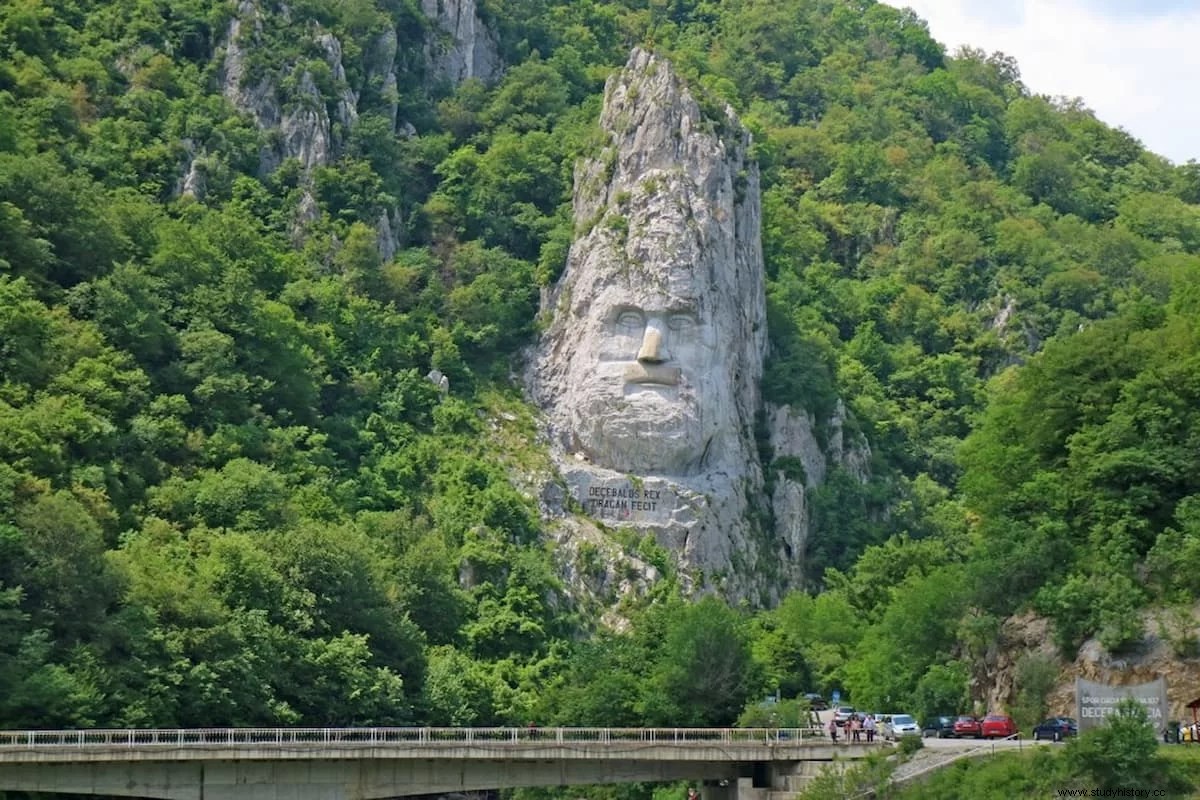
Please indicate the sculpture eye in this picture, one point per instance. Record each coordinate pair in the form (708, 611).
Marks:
(681, 323)
(629, 323)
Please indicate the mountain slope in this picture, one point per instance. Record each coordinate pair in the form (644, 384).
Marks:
(229, 496)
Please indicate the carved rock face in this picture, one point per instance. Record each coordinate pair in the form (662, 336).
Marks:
(648, 372)
(649, 368)
(651, 394)
(652, 359)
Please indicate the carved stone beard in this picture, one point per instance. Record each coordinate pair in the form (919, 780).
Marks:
(654, 396)
(640, 428)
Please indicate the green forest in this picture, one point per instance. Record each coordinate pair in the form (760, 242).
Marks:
(229, 496)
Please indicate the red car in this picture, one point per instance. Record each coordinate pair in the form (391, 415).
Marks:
(967, 726)
(997, 726)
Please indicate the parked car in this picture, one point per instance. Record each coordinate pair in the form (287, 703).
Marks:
(940, 727)
(997, 726)
(815, 701)
(966, 726)
(1055, 729)
(898, 725)
(842, 714)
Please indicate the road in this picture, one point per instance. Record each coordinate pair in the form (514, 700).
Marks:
(964, 745)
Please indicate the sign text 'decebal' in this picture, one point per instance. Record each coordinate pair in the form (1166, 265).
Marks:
(1095, 701)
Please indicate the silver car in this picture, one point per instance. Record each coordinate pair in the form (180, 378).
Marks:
(898, 725)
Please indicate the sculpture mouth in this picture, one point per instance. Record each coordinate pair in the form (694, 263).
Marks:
(652, 373)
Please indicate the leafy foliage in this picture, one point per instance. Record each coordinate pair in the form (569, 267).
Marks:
(228, 495)
(1122, 752)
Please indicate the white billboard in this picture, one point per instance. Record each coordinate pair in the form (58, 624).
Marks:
(1095, 701)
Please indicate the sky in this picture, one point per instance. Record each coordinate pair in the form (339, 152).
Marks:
(1135, 63)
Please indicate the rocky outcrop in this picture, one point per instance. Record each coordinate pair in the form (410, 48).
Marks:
(800, 463)
(257, 98)
(193, 182)
(597, 572)
(460, 46)
(346, 107)
(994, 675)
(306, 129)
(650, 366)
(648, 371)
(793, 435)
(309, 117)
(996, 680)
(381, 70)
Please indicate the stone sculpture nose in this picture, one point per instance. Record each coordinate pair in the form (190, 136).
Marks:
(653, 351)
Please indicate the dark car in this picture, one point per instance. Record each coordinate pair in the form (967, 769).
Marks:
(967, 726)
(1056, 729)
(940, 727)
(815, 701)
(998, 726)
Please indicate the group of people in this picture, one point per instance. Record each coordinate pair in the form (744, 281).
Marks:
(854, 728)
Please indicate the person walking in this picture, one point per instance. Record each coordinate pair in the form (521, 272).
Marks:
(869, 727)
(833, 730)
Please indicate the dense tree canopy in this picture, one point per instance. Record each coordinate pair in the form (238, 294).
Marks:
(229, 496)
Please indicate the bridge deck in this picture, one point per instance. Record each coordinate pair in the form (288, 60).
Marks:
(676, 744)
(378, 763)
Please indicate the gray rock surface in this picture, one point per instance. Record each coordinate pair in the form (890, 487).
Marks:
(381, 67)
(793, 435)
(653, 357)
(193, 182)
(347, 100)
(304, 128)
(649, 370)
(312, 127)
(462, 46)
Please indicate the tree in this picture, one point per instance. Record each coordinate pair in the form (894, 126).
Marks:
(458, 690)
(1123, 752)
(600, 684)
(917, 630)
(68, 584)
(943, 689)
(703, 673)
(1037, 675)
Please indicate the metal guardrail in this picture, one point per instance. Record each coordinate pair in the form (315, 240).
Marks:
(432, 737)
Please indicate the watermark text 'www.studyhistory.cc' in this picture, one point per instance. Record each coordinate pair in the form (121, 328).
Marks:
(1121, 791)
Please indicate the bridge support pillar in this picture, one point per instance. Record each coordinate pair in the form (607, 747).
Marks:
(719, 790)
(737, 789)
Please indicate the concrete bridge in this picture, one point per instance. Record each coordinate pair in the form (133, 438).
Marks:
(369, 763)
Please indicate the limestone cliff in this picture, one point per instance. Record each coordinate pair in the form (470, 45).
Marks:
(310, 121)
(650, 366)
(302, 116)
(792, 434)
(461, 46)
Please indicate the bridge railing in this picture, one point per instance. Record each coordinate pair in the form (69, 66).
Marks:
(433, 737)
